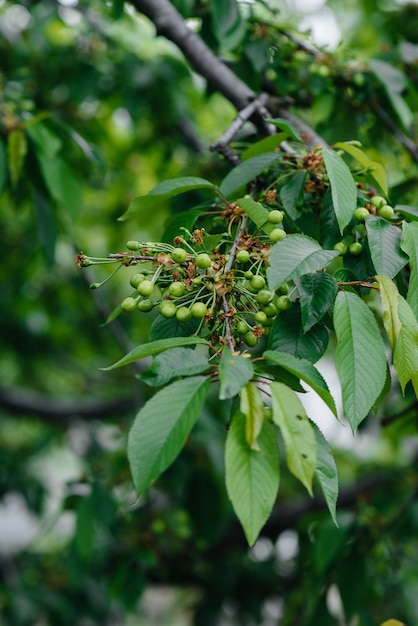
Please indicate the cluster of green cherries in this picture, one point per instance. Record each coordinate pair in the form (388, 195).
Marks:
(376, 205)
(217, 291)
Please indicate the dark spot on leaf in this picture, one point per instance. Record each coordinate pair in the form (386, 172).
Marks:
(305, 456)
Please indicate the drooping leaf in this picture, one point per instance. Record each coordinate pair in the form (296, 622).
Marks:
(148, 349)
(405, 356)
(161, 428)
(287, 127)
(234, 372)
(252, 406)
(287, 335)
(240, 176)
(16, 152)
(293, 256)
(297, 432)
(377, 171)
(389, 295)
(174, 363)
(409, 244)
(343, 187)
(165, 190)
(360, 356)
(306, 371)
(257, 213)
(252, 477)
(385, 246)
(317, 294)
(291, 194)
(326, 472)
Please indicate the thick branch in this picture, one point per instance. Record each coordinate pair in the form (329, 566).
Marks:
(18, 401)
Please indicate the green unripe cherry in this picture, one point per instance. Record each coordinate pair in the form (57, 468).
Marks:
(361, 213)
(133, 245)
(145, 288)
(136, 279)
(198, 309)
(277, 234)
(355, 248)
(179, 255)
(260, 317)
(183, 314)
(203, 261)
(386, 211)
(242, 327)
(270, 310)
(128, 304)
(167, 309)
(341, 247)
(250, 339)
(264, 296)
(243, 256)
(177, 289)
(257, 282)
(377, 201)
(275, 216)
(145, 305)
(248, 274)
(283, 303)
(284, 288)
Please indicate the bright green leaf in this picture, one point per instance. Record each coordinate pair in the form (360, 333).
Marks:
(377, 170)
(317, 294)
(293, 256)
(244, 173)
(267, 144)
(326, 472)
(161, 428)
(165, 190)
(148, 349)
(385, 246)
(174, 363)
(389, 295)
(405, 356)
(257, 213)
(298, 435)
(290, 130)
(252, 477)
(343, 187)
(234, 372)
(252, 406)
(16, 152)
(287, 335)
(306, 371)
(47, 142)
(409, 244)
(360, 356)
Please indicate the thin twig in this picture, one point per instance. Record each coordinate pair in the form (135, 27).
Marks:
(386, 420)
(410, 145)
(228, 333)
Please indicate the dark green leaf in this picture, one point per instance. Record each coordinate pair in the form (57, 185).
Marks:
(267, 144)
(317, 294)
(47, 142)
(161, 428)
(46, 226)
(385, 246)
(164, 328)
(291, 194)
(405, 355)
(61, 182)
(287, 335)
(252, 477)
(3, 166)
(290, 130)
(343, 187)
(410, 211)
(174, 363)
(326, 472)
(329, 230)
(234, 372)
(148, 349)
(409, 244)
(244, 173)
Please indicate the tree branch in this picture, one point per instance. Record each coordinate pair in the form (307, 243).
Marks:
(410, 145)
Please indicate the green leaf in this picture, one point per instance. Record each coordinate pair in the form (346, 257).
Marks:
(61, 182)
(326, 472)
(252, 477)
(410, 211)
(177, 221)
(290, 130)
(252, 406)
(161, 428)
(360, 356)
(293, 256)
(165, 190)
(377, 170)
(16, 152)
(317, 294)
(240, 176)
(304, 370)
(292, 194)
(405, 356)
(267, 144)
(257, 213)
(409, 244)
(148, 349)
(389, 295)
(385, 246)
(298, 435)
(394, 82)
(343, 187)
(234, 372)
(46, 226)
(287, 335)
(3, 167)
(225, 16)
(47, 142)
(174, 363)
(164, 328)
